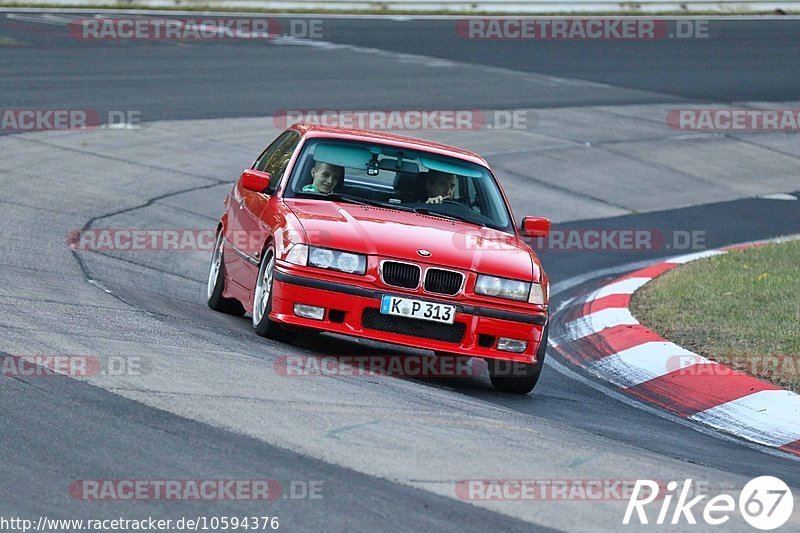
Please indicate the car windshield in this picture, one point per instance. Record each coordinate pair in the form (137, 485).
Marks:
(399, 178)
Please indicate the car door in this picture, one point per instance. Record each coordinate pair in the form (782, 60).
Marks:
(249, 207)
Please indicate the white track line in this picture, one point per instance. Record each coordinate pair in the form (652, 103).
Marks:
(643, 362)
(770, 417)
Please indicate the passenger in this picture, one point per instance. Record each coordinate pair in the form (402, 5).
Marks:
(325, 176)
(439, 186)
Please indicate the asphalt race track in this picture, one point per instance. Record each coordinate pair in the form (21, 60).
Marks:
(207, 402)
(180, 81)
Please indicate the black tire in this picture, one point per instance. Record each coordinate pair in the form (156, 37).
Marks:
(518, 378)
(261, 309)
(216, 283)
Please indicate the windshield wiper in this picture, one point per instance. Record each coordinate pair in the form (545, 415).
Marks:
(430, 212)
(339, 197)
(332, 196)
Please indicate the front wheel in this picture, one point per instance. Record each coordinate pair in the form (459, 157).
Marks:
(262, 301)
(216, 284)
(515, 377)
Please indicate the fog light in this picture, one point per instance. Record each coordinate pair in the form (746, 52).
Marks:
(309, 311)
(512, 345)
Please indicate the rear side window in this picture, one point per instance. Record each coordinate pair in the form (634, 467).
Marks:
(276, 157)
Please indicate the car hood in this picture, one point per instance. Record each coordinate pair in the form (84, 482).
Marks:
(399, 234)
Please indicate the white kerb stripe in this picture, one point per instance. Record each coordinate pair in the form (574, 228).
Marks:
(598, 321)
(623, 286)
(770, 417)
(644, 362)
(692, 257)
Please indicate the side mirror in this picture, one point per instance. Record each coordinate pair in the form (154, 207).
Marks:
(536, 226)
(255, 180)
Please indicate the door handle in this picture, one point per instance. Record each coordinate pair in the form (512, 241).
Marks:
(241, 203)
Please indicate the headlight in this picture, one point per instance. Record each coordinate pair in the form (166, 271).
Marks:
(320, 257)
(302, 254)
(503, 288)
(349, 262)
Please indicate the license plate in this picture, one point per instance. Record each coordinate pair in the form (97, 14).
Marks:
(411, 308)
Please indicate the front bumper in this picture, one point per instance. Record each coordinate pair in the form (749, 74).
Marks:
(353, 310)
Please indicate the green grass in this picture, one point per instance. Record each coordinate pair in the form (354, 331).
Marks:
(741, 308)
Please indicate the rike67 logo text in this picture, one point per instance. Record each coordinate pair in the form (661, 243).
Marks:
(766, 503)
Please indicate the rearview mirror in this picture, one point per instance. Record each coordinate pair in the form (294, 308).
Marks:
(536, 226)
(390, 163)
(255, 180)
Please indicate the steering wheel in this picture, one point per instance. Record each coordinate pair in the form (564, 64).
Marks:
(450, 201)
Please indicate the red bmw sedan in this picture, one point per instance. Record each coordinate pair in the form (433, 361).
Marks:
(385, 237)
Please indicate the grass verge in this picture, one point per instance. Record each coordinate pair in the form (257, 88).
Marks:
(741, 308)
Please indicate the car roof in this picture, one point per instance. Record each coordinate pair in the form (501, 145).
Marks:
(317, 130)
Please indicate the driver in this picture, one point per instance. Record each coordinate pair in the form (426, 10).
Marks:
(325, 176)
(439, 186)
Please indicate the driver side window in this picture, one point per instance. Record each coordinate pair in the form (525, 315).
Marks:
(276, 157)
